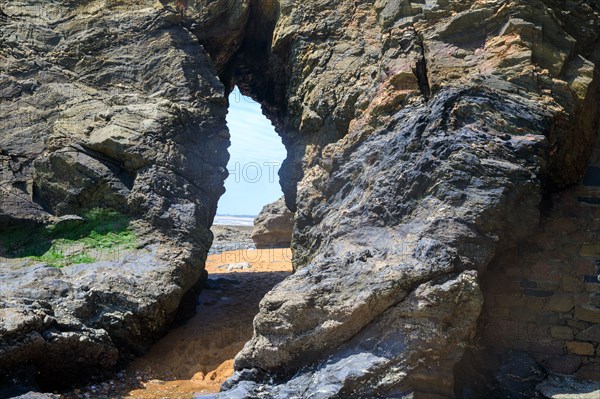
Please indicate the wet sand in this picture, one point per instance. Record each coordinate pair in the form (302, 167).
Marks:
(197, 357)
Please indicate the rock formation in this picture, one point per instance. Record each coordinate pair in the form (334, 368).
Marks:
(423, 138)
(423, 141)
(111, 106)
(231, 238)
(273, 226)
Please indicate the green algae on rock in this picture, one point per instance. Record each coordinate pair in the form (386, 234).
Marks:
(71, 240)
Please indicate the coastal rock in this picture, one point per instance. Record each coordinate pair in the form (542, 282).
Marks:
(422, 139)
(557, 387)
(37, 395)
(104, 106)
(273, 226)
(227, 238)
(237, 266)
(410, 350)
(86, 317)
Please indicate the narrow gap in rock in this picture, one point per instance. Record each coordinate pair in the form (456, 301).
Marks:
(421, 71)
(244, 263)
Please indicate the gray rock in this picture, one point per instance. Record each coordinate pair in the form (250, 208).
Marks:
(420, 140)
(87, 316)
(37, 395)
(231, 238)
(273, 226)
(237, 266)
(104, 106)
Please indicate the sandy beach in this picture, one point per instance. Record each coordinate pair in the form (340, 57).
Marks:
(198, 356)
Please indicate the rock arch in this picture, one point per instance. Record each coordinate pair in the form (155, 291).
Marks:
(421, 141)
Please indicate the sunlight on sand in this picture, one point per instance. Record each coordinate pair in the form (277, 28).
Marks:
(198, 356)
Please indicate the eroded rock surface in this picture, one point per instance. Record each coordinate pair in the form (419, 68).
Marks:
(104, 105)
(273, 226)
(421, 138)
(231, 238)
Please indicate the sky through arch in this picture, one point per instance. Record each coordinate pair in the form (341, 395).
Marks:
(256, 154)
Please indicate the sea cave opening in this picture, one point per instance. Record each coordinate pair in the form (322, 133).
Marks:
(244, 263)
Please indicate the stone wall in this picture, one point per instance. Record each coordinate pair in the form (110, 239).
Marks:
(544, 296)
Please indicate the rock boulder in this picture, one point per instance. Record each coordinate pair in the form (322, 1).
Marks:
(273, 226)
(103, 105)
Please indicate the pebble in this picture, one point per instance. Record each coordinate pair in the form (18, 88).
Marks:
(238, 266)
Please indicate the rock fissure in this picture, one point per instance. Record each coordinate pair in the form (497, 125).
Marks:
(421, 70)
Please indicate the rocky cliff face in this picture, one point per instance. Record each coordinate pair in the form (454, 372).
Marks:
(422, 139)
(104, 105)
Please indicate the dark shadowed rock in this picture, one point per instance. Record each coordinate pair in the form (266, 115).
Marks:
(273, 226)
(560, 387)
